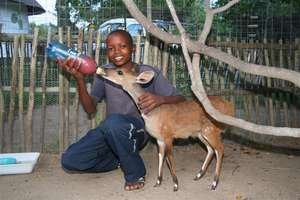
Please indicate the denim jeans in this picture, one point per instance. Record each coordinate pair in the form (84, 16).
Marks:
(116, 141)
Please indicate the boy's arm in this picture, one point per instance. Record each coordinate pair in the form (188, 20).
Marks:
(149, 101)
(163, 93)
(88, 102)
(70, 66)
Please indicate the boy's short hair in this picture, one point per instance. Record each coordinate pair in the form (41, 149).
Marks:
(123, 32)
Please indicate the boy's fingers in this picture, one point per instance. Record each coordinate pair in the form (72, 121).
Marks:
(69, 62)
(77, 63)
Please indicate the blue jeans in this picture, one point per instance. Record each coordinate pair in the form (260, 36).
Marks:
(116, 141)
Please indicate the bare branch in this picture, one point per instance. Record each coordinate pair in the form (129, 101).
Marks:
(183, 37)
(207, 5)
(209, 17)
(175, 17)
(251, 68)
(226, 7)
(139, 16)
(199, 91)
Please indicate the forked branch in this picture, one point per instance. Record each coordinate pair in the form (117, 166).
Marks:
(209, 17)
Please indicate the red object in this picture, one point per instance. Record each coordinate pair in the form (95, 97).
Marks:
(87, 65)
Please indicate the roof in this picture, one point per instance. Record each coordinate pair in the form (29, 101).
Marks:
(33, 7)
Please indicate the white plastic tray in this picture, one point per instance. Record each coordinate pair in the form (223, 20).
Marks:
(25, 163)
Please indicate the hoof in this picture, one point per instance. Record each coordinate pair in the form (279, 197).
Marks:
(175, 188)
(214, 185)
(198, 176)
(157, 184)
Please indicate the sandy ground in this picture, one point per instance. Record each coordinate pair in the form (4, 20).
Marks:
(247, 174)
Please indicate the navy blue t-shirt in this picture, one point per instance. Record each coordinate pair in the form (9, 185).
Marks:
(119, 102)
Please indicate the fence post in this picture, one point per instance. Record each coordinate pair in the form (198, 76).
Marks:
(173, 66)
(21, 93)
(29, 133)
(155, 53)
(89, 85)
(269, 85)
(76, 102)
(297, 68)
(230, 71)
(67, 95)
(138, 50)
(43, 84)
(297, 54)
(1, 119)
(100, 106)
(61, 130)
(165, 60)
(97, 56)
(13, 84)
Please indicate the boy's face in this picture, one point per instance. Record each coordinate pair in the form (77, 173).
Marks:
(119, 49)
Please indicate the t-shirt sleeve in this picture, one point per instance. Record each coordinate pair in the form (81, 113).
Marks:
(98, 89)
(163, 87)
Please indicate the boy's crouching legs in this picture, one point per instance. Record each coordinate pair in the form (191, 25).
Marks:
(90, 154)
(125, 135)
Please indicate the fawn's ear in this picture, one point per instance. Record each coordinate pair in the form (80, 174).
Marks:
(145, 77)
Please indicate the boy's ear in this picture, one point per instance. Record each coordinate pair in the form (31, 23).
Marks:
(145, 77)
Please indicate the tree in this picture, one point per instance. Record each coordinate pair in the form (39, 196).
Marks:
(199, 46)
(87, 11)
(270, 15)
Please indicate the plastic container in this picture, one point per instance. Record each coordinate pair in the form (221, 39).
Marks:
(56, 50)
(25, 163)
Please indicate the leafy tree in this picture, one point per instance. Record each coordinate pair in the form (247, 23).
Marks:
(96, 12)
(279, 7)
(233, 21)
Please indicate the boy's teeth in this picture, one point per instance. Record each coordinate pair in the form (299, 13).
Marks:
(118, 58)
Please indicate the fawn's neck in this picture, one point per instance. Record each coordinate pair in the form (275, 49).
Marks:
(135, 91)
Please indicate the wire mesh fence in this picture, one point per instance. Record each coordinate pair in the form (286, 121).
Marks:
(261, 38)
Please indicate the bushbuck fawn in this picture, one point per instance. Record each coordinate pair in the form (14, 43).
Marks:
(180, 120)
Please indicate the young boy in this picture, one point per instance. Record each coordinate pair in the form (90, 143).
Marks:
(117, 140)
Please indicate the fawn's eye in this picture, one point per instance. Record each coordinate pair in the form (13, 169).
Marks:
(120, 72)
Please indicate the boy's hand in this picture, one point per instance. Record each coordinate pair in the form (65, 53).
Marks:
(71, 66)
(148, 101)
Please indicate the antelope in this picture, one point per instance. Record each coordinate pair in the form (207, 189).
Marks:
(180, 120)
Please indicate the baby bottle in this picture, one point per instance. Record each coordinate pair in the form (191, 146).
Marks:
(56, 50)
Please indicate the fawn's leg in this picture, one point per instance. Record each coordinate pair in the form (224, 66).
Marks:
(161, 157)
(219, 150)
(170, 162)
(209, 156)
(214, 139)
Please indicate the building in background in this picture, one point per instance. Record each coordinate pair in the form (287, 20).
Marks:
(14, 15)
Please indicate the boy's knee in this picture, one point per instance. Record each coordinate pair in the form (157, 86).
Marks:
(65, 162)
(68, 162)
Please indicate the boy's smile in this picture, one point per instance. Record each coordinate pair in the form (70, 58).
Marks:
(120, 49)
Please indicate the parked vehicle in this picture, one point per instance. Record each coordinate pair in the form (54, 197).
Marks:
(129, 24)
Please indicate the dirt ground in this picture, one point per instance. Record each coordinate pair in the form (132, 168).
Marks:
(247, 174)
